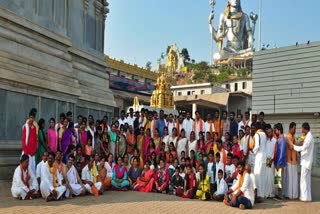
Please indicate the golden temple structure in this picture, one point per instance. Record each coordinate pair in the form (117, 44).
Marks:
(162, 96)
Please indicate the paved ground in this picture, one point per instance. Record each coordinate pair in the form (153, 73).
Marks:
(135, 202)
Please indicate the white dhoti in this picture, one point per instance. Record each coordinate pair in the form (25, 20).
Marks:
(98, 185)
(251, 160)
(260, 174)
(305, 184)
(45, 190)
(292, 181)
(76, 189)
(22, 192)
(269, 181)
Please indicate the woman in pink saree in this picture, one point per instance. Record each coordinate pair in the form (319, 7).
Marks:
(145, 146)
(145, 182)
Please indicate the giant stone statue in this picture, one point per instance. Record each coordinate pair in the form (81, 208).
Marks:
(235, 28)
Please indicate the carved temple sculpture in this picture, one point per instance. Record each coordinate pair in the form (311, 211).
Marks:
(162, 96)
(235, 28)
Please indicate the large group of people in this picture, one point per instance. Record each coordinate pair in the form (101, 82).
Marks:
(238, 161)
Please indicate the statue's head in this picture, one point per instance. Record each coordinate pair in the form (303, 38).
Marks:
(234, 3)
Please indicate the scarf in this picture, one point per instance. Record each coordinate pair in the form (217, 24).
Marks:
(119, 173)
(140, 140)
(178, 128)
(94, 172)
(25, 179)
(241, 180)
(53, 171)
(154, 127)
(200, 125)
(253, 143)
(27, 133)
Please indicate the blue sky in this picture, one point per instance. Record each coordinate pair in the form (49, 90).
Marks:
(138, 31)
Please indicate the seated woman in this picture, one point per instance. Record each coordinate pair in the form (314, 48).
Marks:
(120, 177)
(176, 182)
(203, 192)
(139, 157)
(109, 165)
(134, 172)
(126, 163)
(172, 151)
(145, 181)
(103, 174)
(189, 187)
(162, 178)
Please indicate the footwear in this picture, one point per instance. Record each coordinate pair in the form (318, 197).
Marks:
(226, 202)
(241, 206)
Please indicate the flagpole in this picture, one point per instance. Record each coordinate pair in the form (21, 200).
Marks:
(260, 17)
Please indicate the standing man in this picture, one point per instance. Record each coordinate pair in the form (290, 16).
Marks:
(225, 123)
(122, 120)
(259, 141)
(261, 120)
(240, 123)
(154, 123)
(233, 125)
(280, 161)
(161, 123)
(170, 124)
(247, 118)
(187, 125)
(306, 150)
(270, 154)
(292, 167)
(179, 124)
(105, 123)
(209, 126)
(29, 140)
(198, 125)
(254, 119)
(217, 123)
(130, 119)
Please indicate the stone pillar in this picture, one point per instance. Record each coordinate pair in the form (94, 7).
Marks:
(194, 109)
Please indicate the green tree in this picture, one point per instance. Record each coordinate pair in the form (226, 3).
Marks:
(185, 54)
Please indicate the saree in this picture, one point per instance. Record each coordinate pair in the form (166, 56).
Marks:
(122, 147)
(145, 146)
(65, 141)
(145, 183)
(41, 149)
(157, 142)
(140, 140)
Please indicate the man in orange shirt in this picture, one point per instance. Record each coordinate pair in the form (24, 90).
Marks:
(217, 123)
(292, 168)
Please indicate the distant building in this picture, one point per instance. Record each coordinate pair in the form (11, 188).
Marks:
(286, 87)
(128, 81)
(238, 85)
(208, 98)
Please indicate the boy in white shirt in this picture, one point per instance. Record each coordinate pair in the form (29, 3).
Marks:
(222, 187)
(229, 170)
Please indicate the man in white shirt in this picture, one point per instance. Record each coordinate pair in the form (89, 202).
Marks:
(187, 125)
(170, 124)
(198, 125)
(50, 189)
(222, 187)
(240, 123)
(209, 126)
(38, 170)
(89, 176)
(219, 165)
(24, 183)
(243, 187)
(270, 154)
(229, 170)
(130, 119)
(122, 120)
(73, 181)
(306, 150)
(260, 141)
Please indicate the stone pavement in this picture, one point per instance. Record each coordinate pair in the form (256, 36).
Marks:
(135, 202)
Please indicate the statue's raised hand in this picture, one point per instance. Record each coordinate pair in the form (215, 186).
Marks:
(211, 17)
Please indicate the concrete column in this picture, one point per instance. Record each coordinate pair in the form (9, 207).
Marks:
(194, 109)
